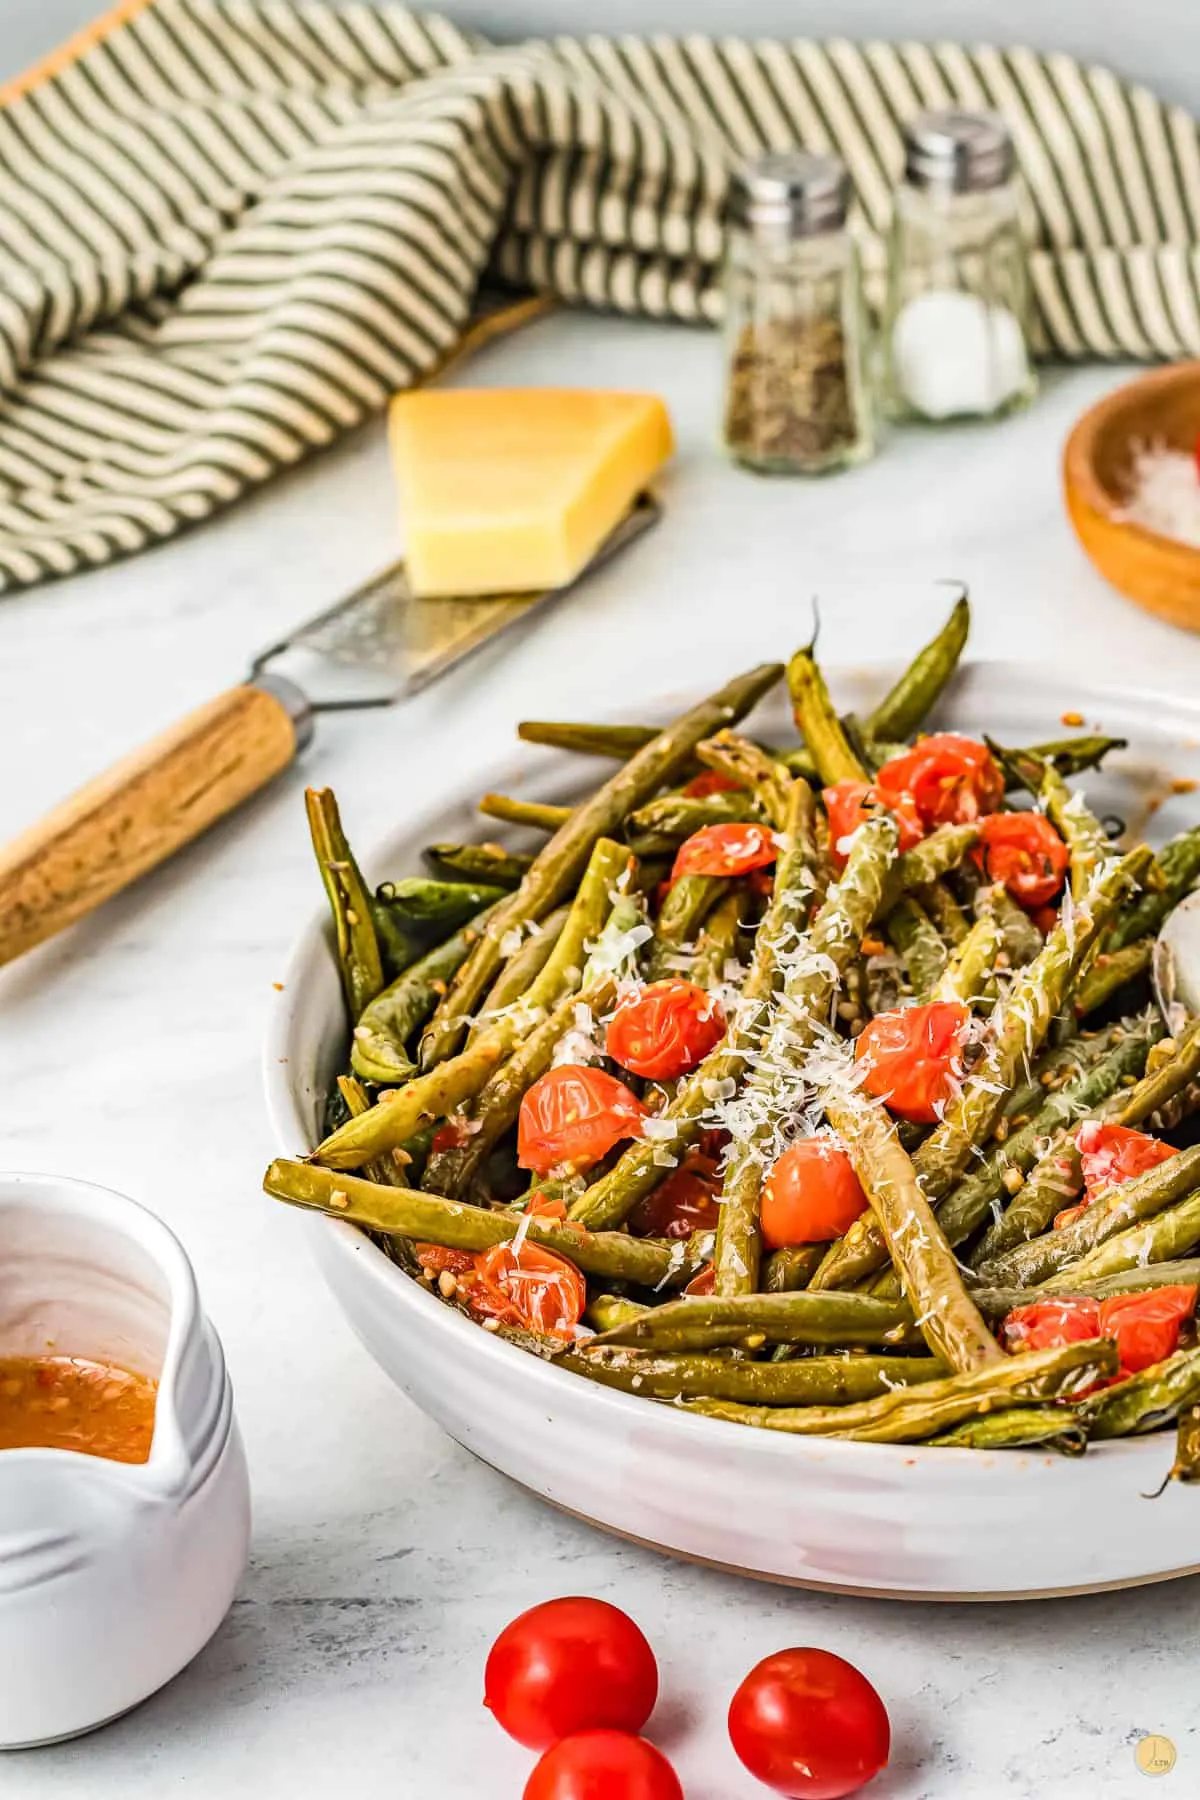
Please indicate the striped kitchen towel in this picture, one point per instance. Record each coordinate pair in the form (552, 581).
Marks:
(229, 230)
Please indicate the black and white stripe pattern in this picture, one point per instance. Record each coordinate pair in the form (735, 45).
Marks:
(229, 230)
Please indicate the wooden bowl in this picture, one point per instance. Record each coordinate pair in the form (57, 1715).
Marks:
(1156, 572)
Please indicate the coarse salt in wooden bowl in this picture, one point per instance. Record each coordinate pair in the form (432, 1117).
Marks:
(1158, 410)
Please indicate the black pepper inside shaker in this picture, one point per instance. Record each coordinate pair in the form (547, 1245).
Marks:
(797, 397)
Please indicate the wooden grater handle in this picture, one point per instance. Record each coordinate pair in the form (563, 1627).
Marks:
(145, 808)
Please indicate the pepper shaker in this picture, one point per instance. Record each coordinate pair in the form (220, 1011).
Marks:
(956, 319)
(797, 398)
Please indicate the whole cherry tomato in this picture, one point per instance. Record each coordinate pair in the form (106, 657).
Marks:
(1146, 1326)
(685, 1202)
(1024, 852)
(570, 1665)
(573, 1115)
(664, 1029)
(808, 1724)
(811, 1195)
(725, 850)
(912, 1058)
(710, 781)
(951, 780)
(1111, 1154)
(849, 804)
(530, 1287)
(603, 1765)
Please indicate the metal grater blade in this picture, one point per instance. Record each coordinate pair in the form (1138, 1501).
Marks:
(381, 644)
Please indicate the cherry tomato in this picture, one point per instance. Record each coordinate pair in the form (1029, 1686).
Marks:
(603, 1765)
(725, 850)
(1111, 1154)
(1146, 1326)
(703, 1283)
(530, 1287)
(912, 1058)
(546, 1206)
(1045, 918)
(573, 1115)
(808, 1724)
(570, 1665)
(951, 780)
(811, 1195)
(711, 781)
(1049, 1324)
(449, 1136)
(438, 1260)
(1022, 850)
(683, 1203)
(849, 804)
(665, 1029)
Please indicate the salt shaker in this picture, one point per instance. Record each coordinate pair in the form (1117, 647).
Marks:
(956, 320)
(797, 399)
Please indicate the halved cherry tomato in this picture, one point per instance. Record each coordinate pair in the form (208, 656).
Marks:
(530, 1287)
(913, 1058)
(704, 1282)
(1111, 1154)
(1022, 850)
(546, 1206)
(725, 850)
(603, 1765)
(665, 1029)
(1045, 918)
(570, 1665)
(849, 804)
(1146, 1326)
(574, 1115)
(811, 1195)
(808, 1724)
(685, 1202)
(951, 780)
(1049, 1324)
(710, 781)
(438, 1260)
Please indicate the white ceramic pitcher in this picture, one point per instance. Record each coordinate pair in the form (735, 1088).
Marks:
(112, 1575)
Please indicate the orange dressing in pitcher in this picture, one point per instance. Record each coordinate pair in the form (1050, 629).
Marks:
(69, 1403)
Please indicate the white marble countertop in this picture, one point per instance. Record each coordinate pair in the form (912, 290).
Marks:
(385, 1558)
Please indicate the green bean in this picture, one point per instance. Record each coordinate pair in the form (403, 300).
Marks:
(1186, 1466)
(521, 970)
(1165, 1237)
(1088, 847)
(1073, 755)
(559, 864)
(716, 946)
(911, 1415)
(818, 723)
(945, 911)
(613, 1255)
(1110, 972)
(1023, 1427)
(447, 1085)
(810, 1381)
(1022, 939)
(539, 814)
(905, 706)
(1063, 1063)
(996, 1303)
(385, 1170)
(663, 824)
(702, 1323)
(1058, 1176)
(604, 1312)
(690, 900)
(968, 1205)
(1032, 1263)
(414, 916)
(914, 937)
(809, 987)
(970, 968)
(943, 850)
(1148, 1400)
(611, 1199)
(378, 1047)
(787, 1271)
(753, 769)
(948, 1317)
(621, 741)
(488, 863)
(1178, 863)
(360, 965)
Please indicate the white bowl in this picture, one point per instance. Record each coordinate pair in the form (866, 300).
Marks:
(904, 1521)
(112, 1575)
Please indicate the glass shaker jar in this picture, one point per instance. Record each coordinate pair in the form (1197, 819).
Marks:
(956, 319)
(796, 394)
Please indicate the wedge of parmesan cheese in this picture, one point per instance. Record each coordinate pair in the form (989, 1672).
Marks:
(512, 490)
